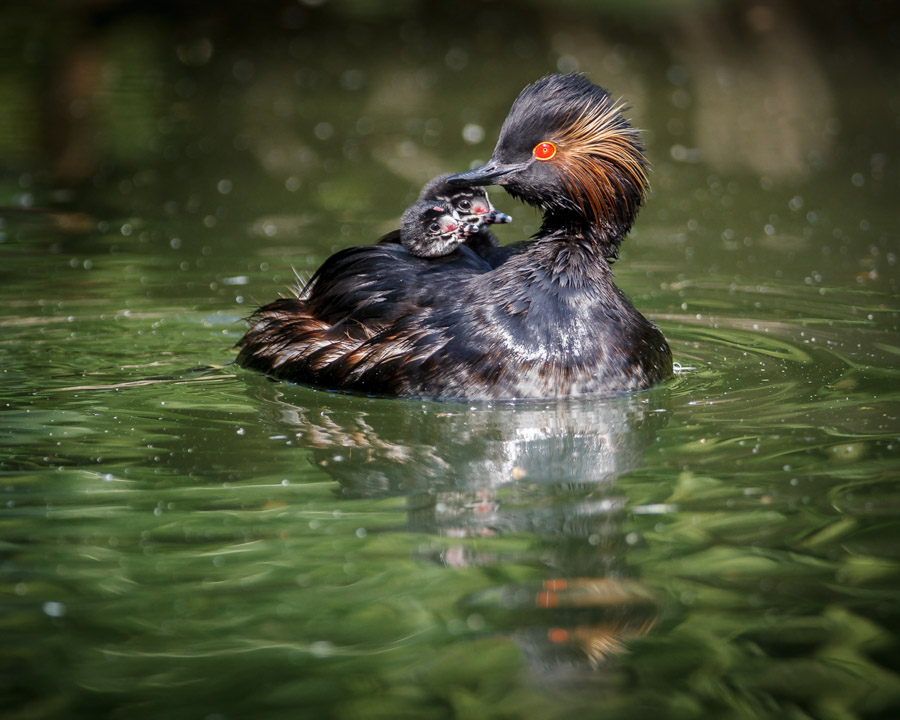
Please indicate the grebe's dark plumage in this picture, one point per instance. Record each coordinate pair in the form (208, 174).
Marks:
(543, 319)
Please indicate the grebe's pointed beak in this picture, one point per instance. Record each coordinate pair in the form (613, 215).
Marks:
(490, 174)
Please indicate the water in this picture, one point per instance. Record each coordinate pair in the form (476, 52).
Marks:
(183, 538)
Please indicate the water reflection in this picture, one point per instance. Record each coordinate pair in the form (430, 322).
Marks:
(531, 485)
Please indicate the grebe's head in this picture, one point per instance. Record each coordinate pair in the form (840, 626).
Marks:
(428, 229)
(470, 203)
(566, 148)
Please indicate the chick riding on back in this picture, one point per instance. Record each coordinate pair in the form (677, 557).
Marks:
(539, 319)
(430, 230)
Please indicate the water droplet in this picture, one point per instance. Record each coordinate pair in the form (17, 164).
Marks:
(473, 133)
(54, 609)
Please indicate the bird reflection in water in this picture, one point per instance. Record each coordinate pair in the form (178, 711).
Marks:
(537, 472)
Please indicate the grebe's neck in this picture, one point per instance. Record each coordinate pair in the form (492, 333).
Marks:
(564, 261)
(599, 239)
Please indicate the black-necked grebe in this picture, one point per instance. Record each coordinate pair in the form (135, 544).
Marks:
(541, 319)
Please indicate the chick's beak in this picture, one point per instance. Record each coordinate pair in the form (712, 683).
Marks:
(490, 174)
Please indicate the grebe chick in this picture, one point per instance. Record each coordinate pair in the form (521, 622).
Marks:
(472, 206)
(430, 230)
(545, 322)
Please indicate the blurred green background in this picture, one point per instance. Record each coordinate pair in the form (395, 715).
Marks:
(779, 89)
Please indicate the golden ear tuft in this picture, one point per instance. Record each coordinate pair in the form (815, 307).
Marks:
(604, 163)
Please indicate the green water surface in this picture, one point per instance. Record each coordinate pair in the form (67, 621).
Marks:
(181, 538)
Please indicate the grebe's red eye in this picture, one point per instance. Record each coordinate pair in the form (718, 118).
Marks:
(544, 150)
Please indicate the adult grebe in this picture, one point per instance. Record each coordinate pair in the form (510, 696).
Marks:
(543, 320)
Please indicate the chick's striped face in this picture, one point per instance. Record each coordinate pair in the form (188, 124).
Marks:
(472, 204)
(473, 207)
(441, 221)
(430, 230)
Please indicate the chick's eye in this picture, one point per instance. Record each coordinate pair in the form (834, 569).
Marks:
(434, 228)
(464, 204)
(544, 150)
